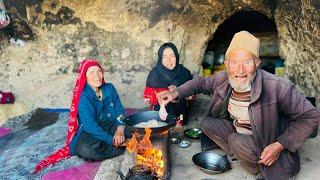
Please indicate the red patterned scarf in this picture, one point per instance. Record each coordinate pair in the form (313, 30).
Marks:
(64, 152)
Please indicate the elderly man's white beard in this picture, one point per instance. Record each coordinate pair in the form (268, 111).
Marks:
(240, 87)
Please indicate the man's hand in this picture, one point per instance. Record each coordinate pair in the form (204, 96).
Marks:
(165, 97)
(118, 137)
(270, 154)
(172, 88)
(189, 98)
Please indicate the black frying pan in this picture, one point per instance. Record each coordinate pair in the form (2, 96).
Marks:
(211, 163)
(144, 117)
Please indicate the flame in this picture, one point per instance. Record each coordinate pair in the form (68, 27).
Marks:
(146, 143)
(132, 144)
(146, 154)
(152, 158)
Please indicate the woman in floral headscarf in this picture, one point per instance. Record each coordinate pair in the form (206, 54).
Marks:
(168, 74)
(95, 129)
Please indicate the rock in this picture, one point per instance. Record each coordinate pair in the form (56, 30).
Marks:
(298, 26)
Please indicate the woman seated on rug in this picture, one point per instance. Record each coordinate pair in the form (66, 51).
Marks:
(95, 129)
(168, 74)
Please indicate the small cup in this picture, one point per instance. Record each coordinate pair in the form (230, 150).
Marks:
(184, 144)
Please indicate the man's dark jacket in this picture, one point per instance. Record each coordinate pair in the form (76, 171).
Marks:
(278, 112)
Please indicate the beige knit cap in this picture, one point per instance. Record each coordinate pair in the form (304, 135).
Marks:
(243, 40)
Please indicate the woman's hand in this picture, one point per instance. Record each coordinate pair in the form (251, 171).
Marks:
(118, 137)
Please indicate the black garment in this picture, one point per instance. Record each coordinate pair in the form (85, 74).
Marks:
(93, 149)
(162, 77)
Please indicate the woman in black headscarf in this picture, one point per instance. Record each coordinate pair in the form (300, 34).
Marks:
(168, 75)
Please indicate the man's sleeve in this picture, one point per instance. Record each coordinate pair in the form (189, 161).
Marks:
(303, 116)
(195, 86)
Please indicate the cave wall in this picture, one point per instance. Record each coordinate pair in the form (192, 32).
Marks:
(298, 24)
(124, 36)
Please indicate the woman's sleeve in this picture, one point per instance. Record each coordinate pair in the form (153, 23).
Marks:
(119, 110)
(88, 118)
(150, 94)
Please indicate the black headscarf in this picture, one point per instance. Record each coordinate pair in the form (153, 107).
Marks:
(162, 77)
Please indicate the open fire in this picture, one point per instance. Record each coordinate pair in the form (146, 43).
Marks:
(146, 154)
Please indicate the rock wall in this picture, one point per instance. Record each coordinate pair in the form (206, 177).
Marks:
(124, 36)
(298, 23)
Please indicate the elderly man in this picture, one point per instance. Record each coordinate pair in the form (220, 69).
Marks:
(258, 117)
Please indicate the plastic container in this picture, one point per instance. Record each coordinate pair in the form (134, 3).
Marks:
(209, 57)
(207, 72)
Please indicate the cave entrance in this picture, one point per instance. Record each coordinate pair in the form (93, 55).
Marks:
(254, 22)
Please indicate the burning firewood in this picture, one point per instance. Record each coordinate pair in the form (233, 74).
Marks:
(145, 153)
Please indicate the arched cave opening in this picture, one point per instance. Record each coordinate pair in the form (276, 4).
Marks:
(254, 22)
